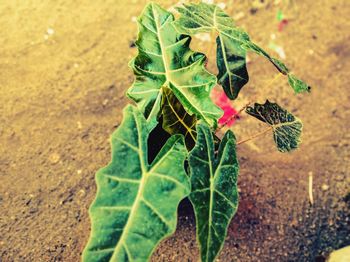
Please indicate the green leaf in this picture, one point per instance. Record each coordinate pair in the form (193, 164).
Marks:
(285, 126)
(298, 85)
(136, 202)
(176, 120)
(214, 193)
(232, 44)
(165, 60)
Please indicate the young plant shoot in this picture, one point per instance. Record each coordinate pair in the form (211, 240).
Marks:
(139, 191)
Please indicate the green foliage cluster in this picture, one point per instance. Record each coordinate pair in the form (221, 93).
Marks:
(138, 193)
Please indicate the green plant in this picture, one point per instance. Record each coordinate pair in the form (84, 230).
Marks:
(139, 191)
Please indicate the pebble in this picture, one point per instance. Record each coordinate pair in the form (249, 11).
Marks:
(50, 31)
(221, 5)
(339, 177)
(54, 158)
(280, 52)
(81, 193)
(238, 16)
(325, 187)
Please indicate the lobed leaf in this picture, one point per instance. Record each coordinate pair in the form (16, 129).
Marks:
(286, 127)
(136, 202)
(165, 60)
(232, 45)
(176, 120)
(214, 193)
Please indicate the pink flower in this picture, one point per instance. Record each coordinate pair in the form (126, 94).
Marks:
(229, 111)
(223, 102)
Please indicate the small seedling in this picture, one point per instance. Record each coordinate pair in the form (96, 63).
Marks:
(139, 191)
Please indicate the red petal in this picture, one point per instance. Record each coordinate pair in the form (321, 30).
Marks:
(229, 112)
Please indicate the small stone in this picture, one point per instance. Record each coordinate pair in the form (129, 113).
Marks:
(238, 16)
(81, 193)
(80, 126)
(33, 210)
(105, 102)
(339, 177)
(50, 31)
(54, 158)
(221, 5)
(79, 171)
(325, 187)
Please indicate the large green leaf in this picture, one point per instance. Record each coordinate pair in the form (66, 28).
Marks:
(165, 60)
(214, 193)
(136, 202)
(285, 126)
(232, 45)
(176, 120)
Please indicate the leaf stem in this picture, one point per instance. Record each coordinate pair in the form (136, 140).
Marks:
(273, 80)
(254, 136)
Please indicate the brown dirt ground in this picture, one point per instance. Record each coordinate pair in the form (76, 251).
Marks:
(61, 98)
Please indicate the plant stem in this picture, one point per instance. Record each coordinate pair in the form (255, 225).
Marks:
(273, 80)
(254, 136)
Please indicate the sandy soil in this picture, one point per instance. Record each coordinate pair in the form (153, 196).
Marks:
(63, 76)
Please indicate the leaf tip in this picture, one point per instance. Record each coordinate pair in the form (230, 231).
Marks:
(298, 85)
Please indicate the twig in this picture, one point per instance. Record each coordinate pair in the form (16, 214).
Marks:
(235, 116)
(311, 198)
(254, 136)
(273, 80)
